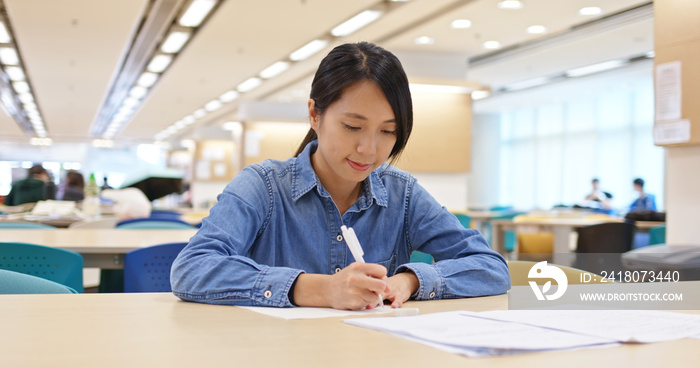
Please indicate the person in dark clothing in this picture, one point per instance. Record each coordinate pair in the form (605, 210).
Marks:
(75, 187)
(31, 189)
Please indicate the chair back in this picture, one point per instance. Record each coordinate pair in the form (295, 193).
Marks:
(657, 235)
(420, 257)
(58, 265)
(19, 283)
(148, 269)
(599, 247)
(24, 225)
(155, 224)
(465, 220)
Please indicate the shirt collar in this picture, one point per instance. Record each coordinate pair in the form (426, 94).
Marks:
(305, 179)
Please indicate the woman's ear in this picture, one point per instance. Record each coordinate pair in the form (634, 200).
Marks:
(313, 116)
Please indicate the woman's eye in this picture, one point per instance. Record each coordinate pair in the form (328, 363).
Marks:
(390, 132)
(350, 127)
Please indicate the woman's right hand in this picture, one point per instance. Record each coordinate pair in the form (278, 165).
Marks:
(355, 287)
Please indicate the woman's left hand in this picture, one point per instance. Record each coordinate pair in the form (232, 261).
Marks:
(402, 286)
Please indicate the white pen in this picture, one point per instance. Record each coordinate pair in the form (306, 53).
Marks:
(356, 250)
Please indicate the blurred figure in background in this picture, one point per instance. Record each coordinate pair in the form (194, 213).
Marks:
(74, 189)
(598, 195)
(104, 184)
(645, 201)
(33, 188)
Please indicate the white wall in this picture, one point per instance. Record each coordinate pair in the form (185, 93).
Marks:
(450, 190)
(683, 195)
(485, 177)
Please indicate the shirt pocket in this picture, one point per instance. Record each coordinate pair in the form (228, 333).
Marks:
(390, 264)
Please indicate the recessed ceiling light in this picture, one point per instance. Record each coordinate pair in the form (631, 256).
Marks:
(195, 14)
(213, 105)
(249, 84)
(424, 40)
(21, 87)
(590, 10)
(229, 96)
(510, 4)
(274, 69)
(308, 50)
(174, 42)
(4, 34)
(15, 73)
(159, 63)
(147, 79)
(353, 24)
(536, 29)
(492, 45)
(461, 23)
(8, 56)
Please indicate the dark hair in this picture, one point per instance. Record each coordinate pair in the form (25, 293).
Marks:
(36, 170)
(75, 179)
(639, 181)
(351, 63)
(595, 180)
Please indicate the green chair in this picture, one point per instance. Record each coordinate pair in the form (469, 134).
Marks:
(420, 257)
(24, 225)
(657, 235)
(465, 220)
(155, 224)
(19, 283)
(58, 265)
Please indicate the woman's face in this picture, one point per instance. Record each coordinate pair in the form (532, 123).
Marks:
(355, 135)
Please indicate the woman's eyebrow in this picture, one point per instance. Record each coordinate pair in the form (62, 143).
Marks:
(354, 115)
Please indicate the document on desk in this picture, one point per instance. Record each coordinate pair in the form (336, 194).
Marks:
(465, 334)
(642, 326)
(308, 312)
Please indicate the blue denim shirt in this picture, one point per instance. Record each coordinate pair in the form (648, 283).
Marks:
(275, 220)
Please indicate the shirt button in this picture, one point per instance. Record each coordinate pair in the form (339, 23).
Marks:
(267, 294)
(339, 238)
(337, 269)
(432, 295)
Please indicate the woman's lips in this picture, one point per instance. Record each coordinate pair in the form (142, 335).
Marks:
(358, 166)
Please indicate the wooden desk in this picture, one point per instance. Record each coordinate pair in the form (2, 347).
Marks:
(102, 248)
(158, 330)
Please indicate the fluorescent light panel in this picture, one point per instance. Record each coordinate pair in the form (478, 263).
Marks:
(492, 45)
(21, 87)
(424, 40)
(174, 42)
(8, 56)
(15, 73)
(4, 34)
(590, 10)
(595, 68)
(510, 4)
(536, 29)
(307, 50)
(274, 69)
(159, 63)
(353, 24)
(436, 88)
(249, 84)
(147, 79)
(197, 11)
(229, 96)
(213, 105)
(461, 23)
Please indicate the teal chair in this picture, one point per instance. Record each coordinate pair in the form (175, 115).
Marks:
(58, 265)
(464, 220)
(19, 283)
(509, 237)
(657, 235)
(420, 257)
(24, 225)
(155, 224)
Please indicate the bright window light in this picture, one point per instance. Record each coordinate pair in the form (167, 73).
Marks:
(229, 96)
(159, 63)
(479, 95)
(536, 29)
(492, 45)
(527, 84)
(437, 88)
(137, 92)
(4, 34)
(15, 73)
(249, 84)
(21, 87)
(461, 23)
(195, 14)
(590, 10)
(353, 24)
(174, 42)
(424, 40)
(510, 4)
(595, 68)
(213, 105)
(274, 69)
(199, 113)
(8, 56)
(309, 49)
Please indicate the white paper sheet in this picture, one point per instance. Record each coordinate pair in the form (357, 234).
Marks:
(307, 313)
(668, 91)
(620, 325)
(468, 335)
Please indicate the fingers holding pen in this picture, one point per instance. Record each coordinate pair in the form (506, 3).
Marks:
(357, 286)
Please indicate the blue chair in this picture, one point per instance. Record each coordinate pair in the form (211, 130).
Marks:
(58, 265)
(464, 220)
(420, 257)
(24, 225)
(657, 235)
(155, 224)
(148, 269)
(19, 283)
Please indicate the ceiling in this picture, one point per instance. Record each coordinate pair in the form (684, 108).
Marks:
(72, 51)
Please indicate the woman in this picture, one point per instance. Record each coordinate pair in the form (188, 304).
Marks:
(274, 237)
(74, 189)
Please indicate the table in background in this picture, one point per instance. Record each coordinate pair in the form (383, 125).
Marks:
(158, 330)
(101, 248)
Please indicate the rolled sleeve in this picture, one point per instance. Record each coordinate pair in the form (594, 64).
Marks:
(272, 287)
(432, 285)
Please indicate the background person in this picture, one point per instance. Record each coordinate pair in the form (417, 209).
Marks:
(74, 190)
(33, 188)
(645, 201)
